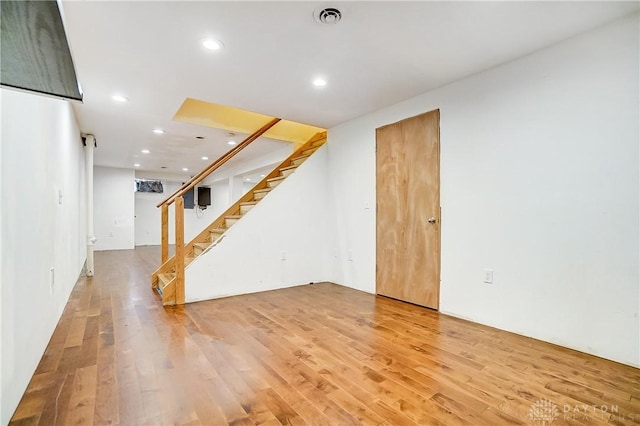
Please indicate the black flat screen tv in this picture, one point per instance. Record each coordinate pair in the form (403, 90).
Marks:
(204, 196)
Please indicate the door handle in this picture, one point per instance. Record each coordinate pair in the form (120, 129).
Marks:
(431, 220)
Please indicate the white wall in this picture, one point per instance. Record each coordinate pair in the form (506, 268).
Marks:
(539, 181)
(237, 167)
(2, 410)
(147, 221)
(226, 185)
(42, 156)
(113, 211)
(291, 219)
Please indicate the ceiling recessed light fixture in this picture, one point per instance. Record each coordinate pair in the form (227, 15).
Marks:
(120, 98)
(262, 175)
(248, 179)
(212, 44)
(231, 142)
(184, 169)
(158, 131)
(205, 158)
(136, 165)
(145, 151)
(319, 82)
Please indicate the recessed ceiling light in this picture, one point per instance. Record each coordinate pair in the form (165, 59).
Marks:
(136, 165)
(262, 175)
(184, 169)
(158, 131)
(145, 151)
(212, 44)
(248, 179)
(231, 142)
(205, 158)
(120, 98)
(319, 82)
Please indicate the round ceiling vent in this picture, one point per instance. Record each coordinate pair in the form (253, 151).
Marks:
(327, 15)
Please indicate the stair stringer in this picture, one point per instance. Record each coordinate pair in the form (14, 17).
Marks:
(292, 219)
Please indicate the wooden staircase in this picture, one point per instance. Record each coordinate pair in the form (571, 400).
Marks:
(164, 279)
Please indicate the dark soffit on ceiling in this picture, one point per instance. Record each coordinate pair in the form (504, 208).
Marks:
(35, 54)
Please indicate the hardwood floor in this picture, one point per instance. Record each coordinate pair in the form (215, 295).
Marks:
(316, 354)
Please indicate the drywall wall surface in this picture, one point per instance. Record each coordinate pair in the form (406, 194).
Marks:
(113, 212)
(42, 230)
(147, 215)
(280, 243)
(539, 183)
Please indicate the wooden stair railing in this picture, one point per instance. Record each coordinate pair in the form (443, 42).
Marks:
(177, 295)
(165, 278)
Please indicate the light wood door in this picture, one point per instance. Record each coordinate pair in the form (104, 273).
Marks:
(408, 210)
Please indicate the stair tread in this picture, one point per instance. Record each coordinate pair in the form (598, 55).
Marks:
(301, 157)
(166, 278)
(288, 167)
(276, 178)
(318, 137)
(233, 216)
(202, 245)
(318, 143)
(263, 190)
(249, 203)
(218, 230)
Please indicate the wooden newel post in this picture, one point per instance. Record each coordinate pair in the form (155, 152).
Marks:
(165, 233)
(179, 251)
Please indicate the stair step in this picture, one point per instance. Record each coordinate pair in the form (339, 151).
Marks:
(259, 194)
(298, 160)
(245, 207)
(230, 220)
(216, 233)
(319, 142)
(286, 171)
(198, 248)
(273, 182)
(188, 260)
(309, 151)
(164, 280)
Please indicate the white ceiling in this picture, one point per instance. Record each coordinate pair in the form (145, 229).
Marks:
(379, 54)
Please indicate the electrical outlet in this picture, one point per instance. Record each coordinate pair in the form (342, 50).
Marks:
(350, 256)
(283, 255)
(488, 276)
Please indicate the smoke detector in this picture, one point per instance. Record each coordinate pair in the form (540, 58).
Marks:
(327, 15)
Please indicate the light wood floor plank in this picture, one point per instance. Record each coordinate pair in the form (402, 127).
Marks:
(318, 354)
